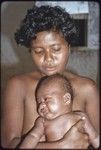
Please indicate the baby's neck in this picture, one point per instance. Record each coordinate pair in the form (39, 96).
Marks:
(62, 116)
(56, 128)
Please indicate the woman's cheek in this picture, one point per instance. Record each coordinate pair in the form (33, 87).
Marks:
(63, 57)
(38, 60)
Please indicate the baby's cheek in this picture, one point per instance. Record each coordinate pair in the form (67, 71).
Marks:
(53, 107)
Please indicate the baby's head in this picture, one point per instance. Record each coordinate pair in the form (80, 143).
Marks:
(54, 96)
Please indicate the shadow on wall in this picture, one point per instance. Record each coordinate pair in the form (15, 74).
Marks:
(14, 59)
(10, 21)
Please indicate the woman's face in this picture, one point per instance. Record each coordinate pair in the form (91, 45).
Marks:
(50, 52)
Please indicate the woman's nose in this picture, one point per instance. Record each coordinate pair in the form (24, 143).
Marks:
(48, 56)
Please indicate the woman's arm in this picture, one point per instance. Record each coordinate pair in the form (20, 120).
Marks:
(92, 104)
(91, 131)
(88, 128)
(13, 113)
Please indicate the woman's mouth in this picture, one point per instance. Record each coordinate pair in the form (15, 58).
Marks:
(50, 68)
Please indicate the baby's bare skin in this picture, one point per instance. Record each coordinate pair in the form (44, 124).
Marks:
(54, 97)
(24, 100)
(55, 129)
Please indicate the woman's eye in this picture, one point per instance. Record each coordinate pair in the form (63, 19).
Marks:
(39, 51)
(56, 49)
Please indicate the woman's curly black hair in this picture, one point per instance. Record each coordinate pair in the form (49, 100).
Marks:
(45, 18)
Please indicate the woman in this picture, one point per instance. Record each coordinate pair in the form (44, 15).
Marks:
(48, 32)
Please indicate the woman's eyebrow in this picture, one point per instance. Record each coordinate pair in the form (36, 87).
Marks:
(34, 47)
(55, 44)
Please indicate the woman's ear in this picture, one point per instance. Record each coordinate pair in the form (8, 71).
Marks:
(67, 98)
(29, 50)
(69, 48)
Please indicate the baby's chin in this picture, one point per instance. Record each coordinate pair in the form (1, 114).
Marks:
(49, 117)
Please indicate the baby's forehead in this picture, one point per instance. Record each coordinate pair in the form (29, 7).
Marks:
(51, 84)
(53, 81)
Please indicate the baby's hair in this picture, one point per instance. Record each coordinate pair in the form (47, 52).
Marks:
(56, 78)
(45, 18)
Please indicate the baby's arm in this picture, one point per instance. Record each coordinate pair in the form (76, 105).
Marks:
(33, 137)
(89, 129)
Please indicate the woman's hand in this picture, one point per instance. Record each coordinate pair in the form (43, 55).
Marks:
(87, 125)
(75, 139)
(89, 129)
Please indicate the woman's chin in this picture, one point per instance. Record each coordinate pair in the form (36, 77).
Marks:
(48, 73)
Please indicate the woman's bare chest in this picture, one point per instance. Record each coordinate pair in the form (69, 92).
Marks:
(30, 110)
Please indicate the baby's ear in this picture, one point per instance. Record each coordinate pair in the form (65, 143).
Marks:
(67, 98)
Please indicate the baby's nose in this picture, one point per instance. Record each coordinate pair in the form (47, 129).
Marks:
(41, 109)
(42, 106)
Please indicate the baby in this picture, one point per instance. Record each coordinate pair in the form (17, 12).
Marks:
(54, 97)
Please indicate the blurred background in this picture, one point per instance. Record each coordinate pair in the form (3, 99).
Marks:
(84, 57)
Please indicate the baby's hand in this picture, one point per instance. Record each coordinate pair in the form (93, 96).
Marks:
(39, 122)
(38, 128)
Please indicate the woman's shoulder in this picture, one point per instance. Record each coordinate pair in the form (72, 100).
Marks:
(81, 82)
(23, 79)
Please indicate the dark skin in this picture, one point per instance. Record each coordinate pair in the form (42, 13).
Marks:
(50, 53)
(54, 106)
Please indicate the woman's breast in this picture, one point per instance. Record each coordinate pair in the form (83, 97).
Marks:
(78, 104)
(30, 114)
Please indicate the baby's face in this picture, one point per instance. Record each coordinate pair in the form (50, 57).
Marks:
(50, 101)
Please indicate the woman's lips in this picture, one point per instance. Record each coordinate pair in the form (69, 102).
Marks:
(50, 68)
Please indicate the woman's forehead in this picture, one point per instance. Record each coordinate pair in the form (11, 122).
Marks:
(48, 37)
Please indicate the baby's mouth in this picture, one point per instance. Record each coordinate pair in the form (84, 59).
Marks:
(44, 111)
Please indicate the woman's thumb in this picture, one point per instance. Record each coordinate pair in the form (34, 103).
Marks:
(79, 125)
